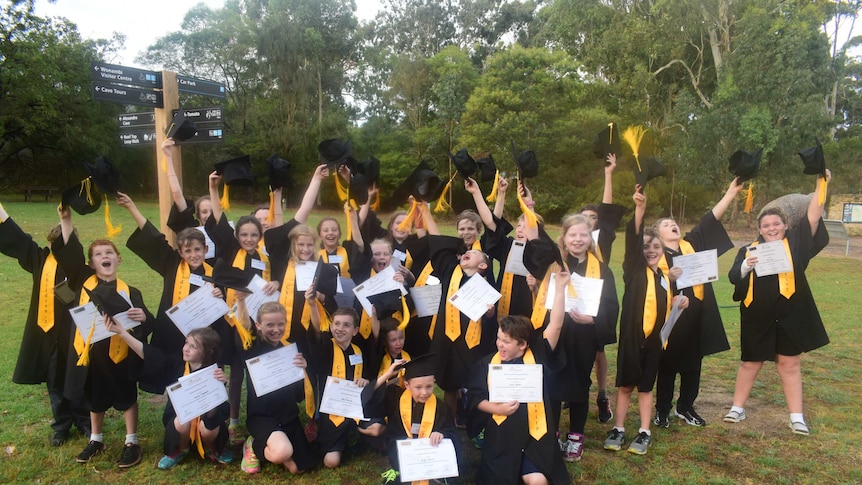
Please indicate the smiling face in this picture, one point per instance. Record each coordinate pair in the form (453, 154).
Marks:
(343, 329)
(468, 231)
(104, 260)
(262, 215)
(394, 342)
(421, 388)
(653, 250)
(193, 253)
(473, 261)
(521, 229)
(271, 326)
(398, 236)
(772, 227)
(577, 240)
(205, 210)
(381, 255)
(592, 216)
(193, 351)
(329, 233)
(668, 230)
(304, 247)
(509, 347)
(248, 236)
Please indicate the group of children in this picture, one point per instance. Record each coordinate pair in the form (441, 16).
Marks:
(397, 358)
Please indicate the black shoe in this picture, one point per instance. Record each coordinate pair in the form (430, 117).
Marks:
(662, 419)
(605, 413)
(130, 456)
(59, 438)
(93, 448)
(691, 417)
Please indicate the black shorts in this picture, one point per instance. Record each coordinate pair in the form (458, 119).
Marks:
(762, 341)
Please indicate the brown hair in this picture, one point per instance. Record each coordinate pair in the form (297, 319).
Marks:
(772, 211)
(346, 310)
(101, 242)
(470, 215)
(650, 234)
(198, 206)
(248, 220)
(187, 236)
(516, 326)
(210, 341)
(391, 225)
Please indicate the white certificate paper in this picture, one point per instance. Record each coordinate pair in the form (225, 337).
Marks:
(515, 382)
(418, 460)
(305, 274)
(584, 296)
(257, 297)
(698, 268)
(377, 284)
(673, 316)
(342, 398)
(273, 370)
(426, 299)
(199, 309)
(474, 297)
(515, 260)
(196, 394)
(87, 316)
(771, 258)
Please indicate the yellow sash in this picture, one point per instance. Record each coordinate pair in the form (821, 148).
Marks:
(593, 270)
(535, 410)
(427, 423)
(786, 281)
(387, 361)
(453, 315)
(118, 349)
(288, 290)
(651, 304)
(230, 297)
(181, 281)
(195, 430)
(339, 370)
(344, 265)
(45, 315)
(685, 247)
(408, 262)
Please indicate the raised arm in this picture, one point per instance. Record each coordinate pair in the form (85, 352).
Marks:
(277, 216)
(310, 197)
(214, 180)
(487, 218)
(428, 220)
(640, 208)
(558, 309)
(168, 148)
(65, 222)
(608, 192)
(355, 234)
(124, 200)
(364, 208)
(134, 344)
(314, 313)
(815, 208)
(3, 214)
(500, 203)
(729, 196)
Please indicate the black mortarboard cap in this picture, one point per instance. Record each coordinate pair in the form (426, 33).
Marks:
(181, 128)
(107, 300)
(421, 366)
(651, 168)
(359, 188)
(745, 165)
(236, 171)
(370, 169)
(226, 276)
(464, 163)
(279, 172)
(526, 162)
(386, 303)
(813, 159)
(487, 167)
(607, 142)
(325, 278)
(82, 198)
(106, 178)
(423, 183)
(334, 151)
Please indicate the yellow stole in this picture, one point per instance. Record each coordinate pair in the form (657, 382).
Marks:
(288, 290)
(539, 311)
(118, 349)
(195, 430)
(535, 410)
(786, 281)
(651, 304)
(181, 281)
(344, 265)
(453, 315)
(230, 297)
(506, 290)
(339, 370)
(685, 247)
(384, 366)
(426, 425)
(45, 315)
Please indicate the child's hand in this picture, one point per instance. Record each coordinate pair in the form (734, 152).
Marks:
(124, 200)
(218, 293)
(112, 325)
(310, 295)
(360, 382)
(167, 147)
(65, 213)
(220, 376)
(581, 318)
(137, 314)
(214, 180)
(638, 196)
(344, 172)
(321, 172)
(241, 295)
(506, 408)
(435, 438)
(674, 273)
(395, 367)
(471, 186)
(611, 163)
(502, 186)
(682, 300)
(531, 282)
(561, 280)
(490, 311)
(270, 287)
(299, 361)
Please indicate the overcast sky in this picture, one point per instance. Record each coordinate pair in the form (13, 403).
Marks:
(143, 23)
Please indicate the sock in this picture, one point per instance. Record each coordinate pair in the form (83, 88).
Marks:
(603, 394)
(737, 409)
(96, 437)
(641, 430)
(796, 418)
(234, 422)
(620, 428)
(132, 438)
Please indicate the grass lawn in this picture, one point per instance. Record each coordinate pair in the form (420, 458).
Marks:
(759, 450)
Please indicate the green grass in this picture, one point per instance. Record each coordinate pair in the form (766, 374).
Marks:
(758, 450)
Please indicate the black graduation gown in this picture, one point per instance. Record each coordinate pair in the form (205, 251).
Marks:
(37, 346)
(699, 330)
(797, 316)
(179, 220)
(356, 260)
(609, 218)
(505, 444)
(373, 229)
(636, 351)
(151, 246)
(499, 246)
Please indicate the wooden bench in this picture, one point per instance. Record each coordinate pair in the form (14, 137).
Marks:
(838, 233)
(39, 189)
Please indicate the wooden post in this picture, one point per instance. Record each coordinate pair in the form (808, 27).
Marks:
(170, 94)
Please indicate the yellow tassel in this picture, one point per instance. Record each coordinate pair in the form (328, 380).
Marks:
(88, 189)
(492, 197)
(404, 226)
(224, 202)
(352, 204)
(341, 189)
(405, 314)
(442, 205)
(325, 319)
(749, 198)
(84, 358)
(244, 334)
(375, 206)
(633, 136)
(529, 215)
(271, 217)
(822, 186)
(112, 231)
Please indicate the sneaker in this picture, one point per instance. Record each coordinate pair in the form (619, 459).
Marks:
(641, 444)
(615, 440)
(236, 434)
(250, 463)
(169, 461)
(93, 448)
(662, 419)
(574, 448)
(59, 438)
(605, 413)
(479, 439)
(224, 458)
(799, 427)
(691, 417)
(389, 476)
(734, 416)
(130, 456)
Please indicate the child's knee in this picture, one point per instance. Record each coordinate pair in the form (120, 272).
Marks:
(332, 459)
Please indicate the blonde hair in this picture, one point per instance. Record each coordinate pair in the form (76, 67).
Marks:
(569, 221)
(300, 230)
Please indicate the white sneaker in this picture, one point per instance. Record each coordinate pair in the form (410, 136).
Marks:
(734, 416)
(799, 427)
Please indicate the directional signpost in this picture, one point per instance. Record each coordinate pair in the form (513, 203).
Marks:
(201, 86)
(126, 95)
(112, 73)
(135, 120)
